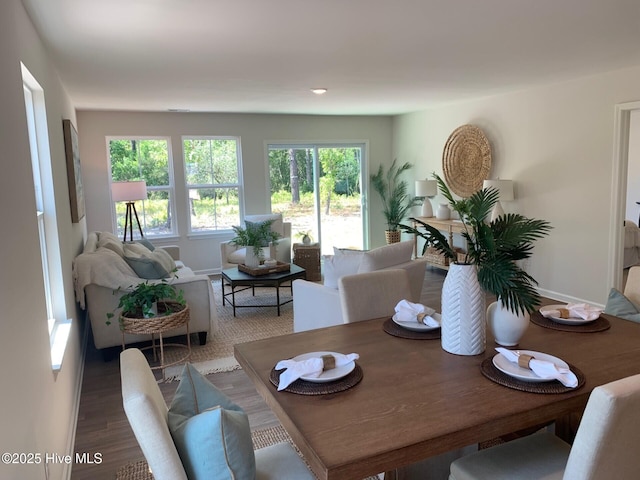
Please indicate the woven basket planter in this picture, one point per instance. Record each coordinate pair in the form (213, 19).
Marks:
(392, 236)
(171, 315)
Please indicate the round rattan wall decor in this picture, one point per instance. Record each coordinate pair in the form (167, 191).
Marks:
(466, 160)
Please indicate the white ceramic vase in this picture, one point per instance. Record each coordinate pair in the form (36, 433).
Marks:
(463, 311)
(506, 327)
(443, 212)
(251, 259)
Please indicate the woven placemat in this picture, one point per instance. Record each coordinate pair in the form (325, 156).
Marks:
(392, 328)
(466, 160)
(490, 371)
(303, 387)
(600, 324)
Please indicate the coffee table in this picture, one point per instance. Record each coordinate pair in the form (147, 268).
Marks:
(235, 278)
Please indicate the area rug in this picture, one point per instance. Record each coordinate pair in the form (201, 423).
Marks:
(261, 438)
(249, 324)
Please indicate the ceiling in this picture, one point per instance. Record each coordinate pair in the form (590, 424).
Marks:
(375, 57)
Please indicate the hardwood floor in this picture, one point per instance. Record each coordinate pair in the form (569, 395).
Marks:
(103, 428)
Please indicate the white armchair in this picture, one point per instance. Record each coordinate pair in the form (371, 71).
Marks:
(232, 255)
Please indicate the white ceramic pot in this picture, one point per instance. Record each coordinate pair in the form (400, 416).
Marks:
(463, 311)
(443, 212)
(306, 240)
(507, 327)
(251, 259)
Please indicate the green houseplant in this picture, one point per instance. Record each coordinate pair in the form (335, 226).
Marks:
(395, 197)
(494, 248)
(255, 235)
(148, 300)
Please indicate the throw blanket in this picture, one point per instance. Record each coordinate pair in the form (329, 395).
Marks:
(103, 267)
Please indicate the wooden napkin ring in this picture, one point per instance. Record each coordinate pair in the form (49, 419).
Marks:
(524, 359)
(564, 313)
(328, 362)
(421, 317)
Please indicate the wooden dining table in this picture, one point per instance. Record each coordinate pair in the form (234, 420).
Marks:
(415, 400)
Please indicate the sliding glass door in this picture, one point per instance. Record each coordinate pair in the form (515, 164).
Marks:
(319, 189)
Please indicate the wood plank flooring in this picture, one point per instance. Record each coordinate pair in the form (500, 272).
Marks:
(102, 425)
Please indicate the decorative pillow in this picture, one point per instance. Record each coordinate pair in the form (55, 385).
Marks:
(237, 256)
(147, 264)
(276, 226)
(110, 241)
(387, 256)
(211, 433)
(339, 265)
(620, 306)
(146, 243)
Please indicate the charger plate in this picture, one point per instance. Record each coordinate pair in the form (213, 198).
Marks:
(600, 324)
(490, 371)
(302, 387)
(392, 328)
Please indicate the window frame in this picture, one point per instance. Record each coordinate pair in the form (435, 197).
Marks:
(188, 186)
(150, 188)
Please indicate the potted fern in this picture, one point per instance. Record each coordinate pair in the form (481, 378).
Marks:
(395, 197)
(255, 236)
(490, 264)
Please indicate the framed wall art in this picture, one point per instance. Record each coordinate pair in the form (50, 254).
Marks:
(76, 192)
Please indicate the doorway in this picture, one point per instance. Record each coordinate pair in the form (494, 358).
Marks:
(319, 188)
(620, 179)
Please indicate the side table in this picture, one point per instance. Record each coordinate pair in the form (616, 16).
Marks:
(308, 257)
(177, 317)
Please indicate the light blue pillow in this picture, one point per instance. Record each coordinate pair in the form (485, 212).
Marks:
(211, 433)
(620, 306)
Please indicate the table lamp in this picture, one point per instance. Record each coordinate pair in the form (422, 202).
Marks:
(426, 189)
(505, 194)
(129, 192)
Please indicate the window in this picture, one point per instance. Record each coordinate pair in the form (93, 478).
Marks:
(135, 158)
(57, 322)
(213, 177)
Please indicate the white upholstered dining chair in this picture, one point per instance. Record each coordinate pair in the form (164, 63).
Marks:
(147, 413)
(632, 285)
(606, 445)
(365, 296)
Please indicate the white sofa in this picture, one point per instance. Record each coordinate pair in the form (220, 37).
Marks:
(631, 244)
(101, 269)
(232, 255)
(317, 305)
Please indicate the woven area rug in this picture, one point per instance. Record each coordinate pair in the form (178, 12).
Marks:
(249, 324)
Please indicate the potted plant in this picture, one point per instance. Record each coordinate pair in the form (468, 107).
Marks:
(305, 237)
(149, 300)
(395, 197)
(257, 236)
(492, 252)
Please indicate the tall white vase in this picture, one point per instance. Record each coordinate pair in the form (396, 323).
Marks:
(507, 327)
(463, 311)
(250, 258)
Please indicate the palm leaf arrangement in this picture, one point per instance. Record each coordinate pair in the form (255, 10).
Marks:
(493, 247)
(394, 193)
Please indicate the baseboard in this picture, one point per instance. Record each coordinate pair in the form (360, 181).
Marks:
(560, 297)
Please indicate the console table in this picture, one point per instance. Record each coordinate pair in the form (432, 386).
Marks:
(450, 226)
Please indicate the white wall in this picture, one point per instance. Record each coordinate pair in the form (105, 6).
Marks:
(255, 130)
(38, 408)
(556, 143)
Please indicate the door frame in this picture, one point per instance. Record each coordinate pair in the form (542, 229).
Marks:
(621, 129)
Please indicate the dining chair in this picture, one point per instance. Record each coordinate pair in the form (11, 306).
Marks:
(147, 413)
(365, 296)
(605, 445)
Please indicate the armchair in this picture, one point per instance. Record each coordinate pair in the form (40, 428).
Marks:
(232, 255)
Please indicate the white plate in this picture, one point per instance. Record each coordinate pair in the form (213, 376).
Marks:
(328, 375)
(565, 321)
(417, 326)
(515, 371)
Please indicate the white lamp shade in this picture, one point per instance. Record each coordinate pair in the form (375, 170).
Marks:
(504, 188)
(426, 188)
(129, 191)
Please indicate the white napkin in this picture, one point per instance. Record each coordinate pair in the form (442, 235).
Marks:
(544, 369)
(311, 367)
(407, 311)
(576, 310)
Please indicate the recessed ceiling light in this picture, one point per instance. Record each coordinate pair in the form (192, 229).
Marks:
(319, 91)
